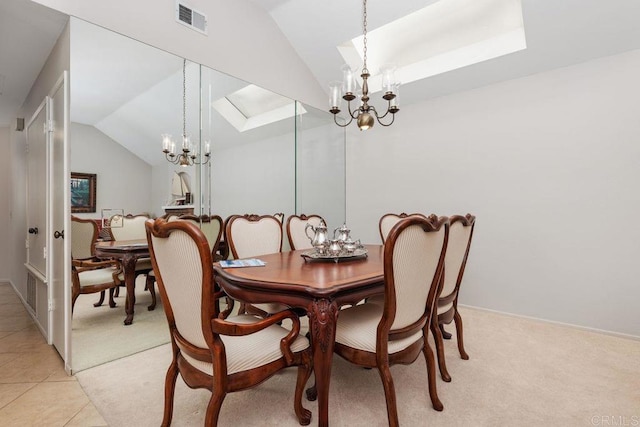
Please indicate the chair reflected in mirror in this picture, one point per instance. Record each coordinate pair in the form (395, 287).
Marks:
(131, 227)
(88, 273)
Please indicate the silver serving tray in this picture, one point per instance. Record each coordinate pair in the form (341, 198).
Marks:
(313, 255)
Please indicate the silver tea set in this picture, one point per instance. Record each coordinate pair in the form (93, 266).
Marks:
(340, 244)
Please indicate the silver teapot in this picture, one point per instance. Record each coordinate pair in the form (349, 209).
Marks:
(341, 233)
(320, 238)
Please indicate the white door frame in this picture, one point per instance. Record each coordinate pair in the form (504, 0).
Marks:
(54, 256)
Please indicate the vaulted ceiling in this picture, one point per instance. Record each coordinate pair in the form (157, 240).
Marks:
(558, 33)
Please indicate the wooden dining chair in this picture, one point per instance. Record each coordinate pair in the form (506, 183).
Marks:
(296, 233)
(250, 236)
(460, 235)
(88, 273)
(211, 349)
(381, 335)
(211, 226)
(387, 221)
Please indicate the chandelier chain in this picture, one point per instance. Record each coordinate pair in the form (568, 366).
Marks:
(184, 98)
(364, 25)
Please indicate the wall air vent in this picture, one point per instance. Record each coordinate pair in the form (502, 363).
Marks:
(191, 18)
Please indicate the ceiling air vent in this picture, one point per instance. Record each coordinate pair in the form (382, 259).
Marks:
(191, 18)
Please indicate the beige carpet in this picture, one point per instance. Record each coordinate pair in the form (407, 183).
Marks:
(99, 335)
(520, 373)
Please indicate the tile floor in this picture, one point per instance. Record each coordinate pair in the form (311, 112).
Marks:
(34, 388)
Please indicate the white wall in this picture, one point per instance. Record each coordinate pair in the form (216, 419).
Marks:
(124, 180)
(56, 64)
(242, 40)
(5, 196)
(549, 164)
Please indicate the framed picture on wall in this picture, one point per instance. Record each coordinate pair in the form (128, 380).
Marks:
(83, 192)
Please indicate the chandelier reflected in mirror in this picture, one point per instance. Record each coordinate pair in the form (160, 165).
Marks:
(365, 115)
(189, 155)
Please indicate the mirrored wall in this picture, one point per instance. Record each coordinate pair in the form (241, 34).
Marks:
(269, 154)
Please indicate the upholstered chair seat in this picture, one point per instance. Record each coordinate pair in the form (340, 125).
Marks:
(249, 352)
(97, 276)
(358, 327)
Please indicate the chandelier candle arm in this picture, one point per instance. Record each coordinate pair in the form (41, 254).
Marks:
(364, 114)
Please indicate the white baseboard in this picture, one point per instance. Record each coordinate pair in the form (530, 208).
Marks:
(554, 322)
(28, 308)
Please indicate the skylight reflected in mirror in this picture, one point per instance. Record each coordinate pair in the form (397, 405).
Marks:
(253, 106)
(444, 36)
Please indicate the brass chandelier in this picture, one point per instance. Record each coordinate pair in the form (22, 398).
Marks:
(189, 155)
(365, 115)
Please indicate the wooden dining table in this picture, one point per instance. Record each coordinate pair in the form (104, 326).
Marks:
(127, 252)
(318, 287)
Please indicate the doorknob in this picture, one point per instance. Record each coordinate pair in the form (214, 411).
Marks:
(33, 230)
(58, 234)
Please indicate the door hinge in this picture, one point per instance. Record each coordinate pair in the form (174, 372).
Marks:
(44, 253)
(48, 126)
(50, 306)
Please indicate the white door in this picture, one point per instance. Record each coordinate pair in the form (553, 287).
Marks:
(36, 193)
(60, 252)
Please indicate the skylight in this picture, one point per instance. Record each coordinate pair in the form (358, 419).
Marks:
(253, 106)
(444, 36)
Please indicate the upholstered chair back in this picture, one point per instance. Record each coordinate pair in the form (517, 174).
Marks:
(84, 233)
(252, 235)
(296, 225)
(387, 221)
(129, 227)
(211, 227)
(460, 232)
(414, 254)
(177, 259)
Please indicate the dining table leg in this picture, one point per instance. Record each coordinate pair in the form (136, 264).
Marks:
(323, 316)
(129, 266)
